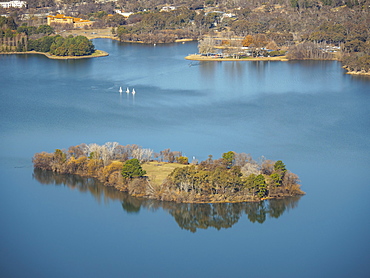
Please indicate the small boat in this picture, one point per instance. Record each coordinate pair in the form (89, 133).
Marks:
(120, 90)
(127, 90)
(133, 91)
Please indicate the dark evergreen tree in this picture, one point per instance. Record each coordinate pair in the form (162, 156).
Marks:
(132, 169)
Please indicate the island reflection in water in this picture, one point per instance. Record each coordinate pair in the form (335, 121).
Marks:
(188, 216)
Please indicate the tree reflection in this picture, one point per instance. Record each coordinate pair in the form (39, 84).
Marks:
(188, 216)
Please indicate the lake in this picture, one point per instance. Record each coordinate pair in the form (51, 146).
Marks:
(309, 114)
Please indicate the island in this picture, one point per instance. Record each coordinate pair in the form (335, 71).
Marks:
(169, 176)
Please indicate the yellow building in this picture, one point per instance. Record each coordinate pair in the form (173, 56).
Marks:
(62, 19)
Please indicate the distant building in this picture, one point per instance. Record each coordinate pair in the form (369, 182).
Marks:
(168, 8)
(123, 13)
(230, 15)
(62, 19)
(13, 4)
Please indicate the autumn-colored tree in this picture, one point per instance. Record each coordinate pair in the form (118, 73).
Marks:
(225, 42)
(42, 160)
(248, 40)
(182, 160)
(113, 167)
(76, 166)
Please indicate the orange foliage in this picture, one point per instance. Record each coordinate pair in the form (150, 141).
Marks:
(93, 167)
(43, 160)
(248, 40)
(225, 42)
(111, 168)
(76, 165)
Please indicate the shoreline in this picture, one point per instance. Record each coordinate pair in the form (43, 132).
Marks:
(97, 53)
(106, 34)
(180, 198)
(356, 72)
(176, 196)
(197, 57)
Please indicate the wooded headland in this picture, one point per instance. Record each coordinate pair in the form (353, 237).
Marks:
(97, 53)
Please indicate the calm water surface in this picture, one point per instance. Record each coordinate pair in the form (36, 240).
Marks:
(308, 114)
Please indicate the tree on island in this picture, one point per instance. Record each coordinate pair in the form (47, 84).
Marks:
(132, 169)
(229, 158)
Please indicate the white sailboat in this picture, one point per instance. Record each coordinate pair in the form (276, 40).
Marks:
(133, 91)
(120, 90)
(127, 90)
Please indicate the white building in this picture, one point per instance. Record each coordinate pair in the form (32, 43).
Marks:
(13, 4)
(168, 8)
(125, 14)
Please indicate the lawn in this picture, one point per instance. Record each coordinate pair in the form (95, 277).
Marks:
(158, 171)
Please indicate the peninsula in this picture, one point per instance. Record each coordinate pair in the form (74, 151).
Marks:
(96, 53)
(168, 175)
(19, 41)
(199, 57)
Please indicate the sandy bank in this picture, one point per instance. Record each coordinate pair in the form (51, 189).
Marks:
(357, 72)
(197, 57)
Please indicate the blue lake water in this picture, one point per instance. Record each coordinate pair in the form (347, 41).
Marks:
(309, 114)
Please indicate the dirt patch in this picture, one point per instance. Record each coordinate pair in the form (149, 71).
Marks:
(90, 33)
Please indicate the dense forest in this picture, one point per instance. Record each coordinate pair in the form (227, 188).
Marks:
(235, 177)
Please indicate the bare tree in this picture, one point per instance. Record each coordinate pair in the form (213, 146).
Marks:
(206, 45)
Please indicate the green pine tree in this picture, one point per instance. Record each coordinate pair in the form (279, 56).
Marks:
(132, 169)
